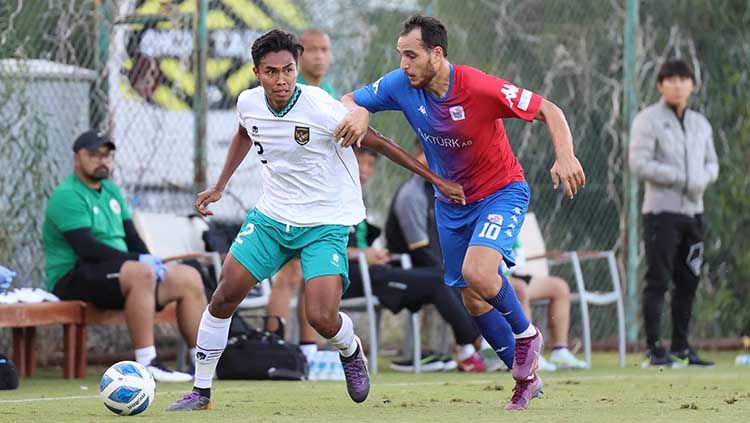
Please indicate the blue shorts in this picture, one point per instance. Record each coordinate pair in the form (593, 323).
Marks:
(494, 221)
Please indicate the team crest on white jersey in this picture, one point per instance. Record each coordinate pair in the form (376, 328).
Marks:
(457, 113)
(302, 135)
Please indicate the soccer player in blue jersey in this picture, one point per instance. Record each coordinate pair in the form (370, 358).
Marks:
(457, 113)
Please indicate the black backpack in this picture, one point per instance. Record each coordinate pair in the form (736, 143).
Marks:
(8, 374)
(260, 355)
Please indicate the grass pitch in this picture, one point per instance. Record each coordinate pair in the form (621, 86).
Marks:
(605, 393)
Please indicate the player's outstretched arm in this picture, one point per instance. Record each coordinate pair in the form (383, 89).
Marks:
(353, 126)
(567, 169)
(238, 149)
(376, 141)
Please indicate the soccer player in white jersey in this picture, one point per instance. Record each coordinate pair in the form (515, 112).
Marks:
(311, 196)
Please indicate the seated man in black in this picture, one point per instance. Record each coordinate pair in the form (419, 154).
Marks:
(398, 288)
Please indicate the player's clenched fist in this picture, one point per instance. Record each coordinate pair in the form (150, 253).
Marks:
(205, 198)
(452, 191)
(567, 170)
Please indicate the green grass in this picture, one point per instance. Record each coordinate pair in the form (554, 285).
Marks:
(606, 393)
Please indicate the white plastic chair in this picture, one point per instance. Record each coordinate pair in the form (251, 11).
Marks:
(173, 237)
(538, 261)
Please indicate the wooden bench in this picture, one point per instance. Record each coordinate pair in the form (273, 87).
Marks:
(93, 316)
(75, 317)
(25, 318)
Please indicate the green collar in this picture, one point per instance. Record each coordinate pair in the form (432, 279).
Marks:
(288, 107)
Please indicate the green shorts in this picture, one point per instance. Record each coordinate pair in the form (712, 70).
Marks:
(264, 245)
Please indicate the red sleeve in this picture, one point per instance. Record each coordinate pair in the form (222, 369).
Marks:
(508, 100)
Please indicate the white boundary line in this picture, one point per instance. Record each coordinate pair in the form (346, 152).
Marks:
(560, 377)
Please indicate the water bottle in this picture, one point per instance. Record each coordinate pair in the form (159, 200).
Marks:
(742, 360)
(333, 365)
(316, 366)
(337, 372)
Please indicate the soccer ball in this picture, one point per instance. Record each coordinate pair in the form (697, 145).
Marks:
(127, 388)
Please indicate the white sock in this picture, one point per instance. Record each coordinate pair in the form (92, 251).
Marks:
(212, 339)
(309, 351)
(191, 353)
(466, 351)
(145, 355)
(529, 332)
(344, 338)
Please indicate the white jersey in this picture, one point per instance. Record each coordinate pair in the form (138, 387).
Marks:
(308, 179)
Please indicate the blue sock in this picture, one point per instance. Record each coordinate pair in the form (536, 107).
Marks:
(496, 331)
(508, 305)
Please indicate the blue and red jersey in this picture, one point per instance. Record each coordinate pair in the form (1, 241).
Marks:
(462, 133)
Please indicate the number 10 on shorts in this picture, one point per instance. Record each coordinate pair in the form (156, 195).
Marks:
(490, 231)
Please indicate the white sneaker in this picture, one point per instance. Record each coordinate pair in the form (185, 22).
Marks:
(162, 374)
(545, 366)
(564, 359)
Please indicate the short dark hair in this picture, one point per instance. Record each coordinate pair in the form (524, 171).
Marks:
(672, 68)
(276, 40)
(433, 31)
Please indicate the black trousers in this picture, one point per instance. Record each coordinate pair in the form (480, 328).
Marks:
(674, 253)
(398, 288)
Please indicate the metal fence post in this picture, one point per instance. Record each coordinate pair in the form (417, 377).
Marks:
(631, 184)
(200, 103)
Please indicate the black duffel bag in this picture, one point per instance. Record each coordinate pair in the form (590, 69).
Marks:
(8, 374)
(261, 355)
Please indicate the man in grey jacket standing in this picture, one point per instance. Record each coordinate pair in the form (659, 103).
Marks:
(672, 151)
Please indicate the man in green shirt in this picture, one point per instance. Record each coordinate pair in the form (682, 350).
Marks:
(93, 253)
(315, 60)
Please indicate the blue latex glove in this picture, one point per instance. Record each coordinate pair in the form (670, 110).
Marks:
(155, 262)
(6, 277)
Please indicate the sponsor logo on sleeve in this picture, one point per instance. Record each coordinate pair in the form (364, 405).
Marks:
(525, 100)
(375, 86)
(510, 92)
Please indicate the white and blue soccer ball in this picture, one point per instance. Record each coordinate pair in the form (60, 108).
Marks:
(127, 388)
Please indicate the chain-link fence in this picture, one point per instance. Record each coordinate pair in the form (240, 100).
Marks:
(128, 66)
